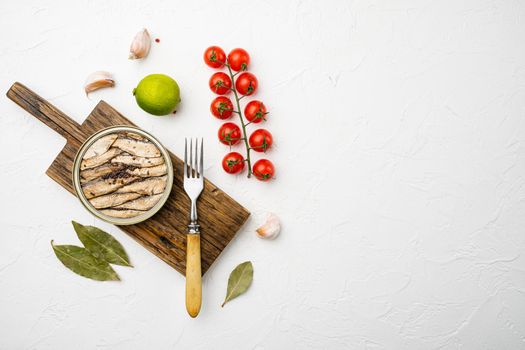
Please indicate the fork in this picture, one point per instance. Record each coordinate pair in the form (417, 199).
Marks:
(193, 185)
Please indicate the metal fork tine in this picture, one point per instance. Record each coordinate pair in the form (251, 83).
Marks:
(190, 174)
(201, 165)
(194, 174)
(196, 158)
(185, 158)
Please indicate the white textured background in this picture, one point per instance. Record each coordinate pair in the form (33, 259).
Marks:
(400, 145)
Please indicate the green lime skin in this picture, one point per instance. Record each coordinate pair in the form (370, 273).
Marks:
(157, 94)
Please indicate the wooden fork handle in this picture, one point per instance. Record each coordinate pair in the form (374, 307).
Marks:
(193, 274)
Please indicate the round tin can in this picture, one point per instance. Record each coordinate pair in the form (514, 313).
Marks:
(77, 179)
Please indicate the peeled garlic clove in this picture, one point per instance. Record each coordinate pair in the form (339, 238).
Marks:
(271, 227)
(140, 45)
(98, 80)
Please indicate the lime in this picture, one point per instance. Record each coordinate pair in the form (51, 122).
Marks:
(157, 94)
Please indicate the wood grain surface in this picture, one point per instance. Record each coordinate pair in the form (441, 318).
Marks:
(164, 234)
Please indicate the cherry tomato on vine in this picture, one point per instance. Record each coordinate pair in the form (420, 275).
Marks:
(229, 134)
(214, 57)
(238, 59)
(221, 107)
(246, 83)
(263, 169)
(260, 140)
(255, 111)
(233, 163)
(220, 83)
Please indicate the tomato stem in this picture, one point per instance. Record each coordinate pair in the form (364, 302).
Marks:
(231, 110)
(244, 133)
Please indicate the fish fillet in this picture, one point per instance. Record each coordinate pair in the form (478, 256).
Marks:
(136, 147)
(113, 199)
(132, 135)
(100, 159)
(150, 186)
(124, 214)
(92, 173)
(100, 146)
(97, 188)
(142, 203)
(158, 170)
(143, 162)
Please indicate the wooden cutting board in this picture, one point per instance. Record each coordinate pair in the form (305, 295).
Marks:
(164, 234)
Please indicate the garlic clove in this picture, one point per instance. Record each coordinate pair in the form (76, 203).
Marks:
(271, 227)
(98, 80)
(140, 45)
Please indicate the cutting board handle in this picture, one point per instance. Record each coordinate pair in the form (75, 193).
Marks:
(45, 112)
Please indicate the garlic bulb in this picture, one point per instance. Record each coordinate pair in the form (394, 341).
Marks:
(98, 80)
(140, 45)
(271, 227)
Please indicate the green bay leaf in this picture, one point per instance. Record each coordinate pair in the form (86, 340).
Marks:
(80, 261)
(240, 280)
(101, 244)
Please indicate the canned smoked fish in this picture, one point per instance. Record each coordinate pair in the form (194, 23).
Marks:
(123, 175)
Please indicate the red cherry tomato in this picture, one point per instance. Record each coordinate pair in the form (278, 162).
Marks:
(260, 140)
(246, 83)
(238, 59)
(255, 111)
(221, 107)
(263, 169)
(214, 57)
(229, 134)
(233, 163)
(220, 83)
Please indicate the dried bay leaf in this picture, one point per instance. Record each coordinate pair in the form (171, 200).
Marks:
(80, 261)
(240, 279)
(101, 244)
